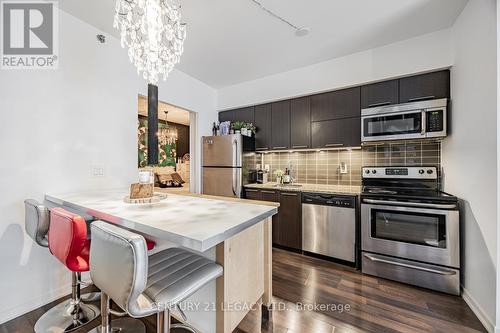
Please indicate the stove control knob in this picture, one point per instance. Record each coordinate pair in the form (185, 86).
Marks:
(421, 171)
(430, 171)
(374, 171)
(367, 171)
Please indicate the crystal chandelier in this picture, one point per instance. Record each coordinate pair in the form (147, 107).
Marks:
(153, 33)
(167, 135)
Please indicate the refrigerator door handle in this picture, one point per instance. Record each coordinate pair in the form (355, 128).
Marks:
(235, 175)
(235, 151)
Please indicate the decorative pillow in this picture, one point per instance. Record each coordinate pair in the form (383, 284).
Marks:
(175, 176)
(164, 178)
(170, 183)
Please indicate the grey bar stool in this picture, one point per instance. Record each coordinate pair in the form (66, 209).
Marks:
(68, 315)
(143, 286)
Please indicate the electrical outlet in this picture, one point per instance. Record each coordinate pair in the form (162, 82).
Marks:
(98, 171)
(343, 168)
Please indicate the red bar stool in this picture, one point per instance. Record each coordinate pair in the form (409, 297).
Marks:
(67, 240)
(150, 244)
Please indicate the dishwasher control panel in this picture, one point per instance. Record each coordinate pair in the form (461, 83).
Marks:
(329, 200)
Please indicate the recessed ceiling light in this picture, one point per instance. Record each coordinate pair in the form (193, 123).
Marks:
(301, 32)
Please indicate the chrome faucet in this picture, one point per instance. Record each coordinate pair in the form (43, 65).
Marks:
(291, 173)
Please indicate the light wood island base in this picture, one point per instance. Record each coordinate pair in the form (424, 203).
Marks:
(247, 279)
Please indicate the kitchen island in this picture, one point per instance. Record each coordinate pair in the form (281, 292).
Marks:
(235, 233)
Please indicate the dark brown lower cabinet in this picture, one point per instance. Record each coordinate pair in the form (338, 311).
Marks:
(253, 194)
(290, 220)
(287, 224)
(273, 196)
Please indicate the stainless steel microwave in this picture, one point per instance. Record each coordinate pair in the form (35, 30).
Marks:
(418, 120)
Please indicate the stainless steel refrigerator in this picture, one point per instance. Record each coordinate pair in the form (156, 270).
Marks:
(226, 161)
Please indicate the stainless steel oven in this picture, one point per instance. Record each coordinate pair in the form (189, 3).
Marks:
(410, 230)
(424, 232)
(418, 120)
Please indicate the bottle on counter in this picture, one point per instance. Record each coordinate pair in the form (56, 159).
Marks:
(214, 129)
(286, 176)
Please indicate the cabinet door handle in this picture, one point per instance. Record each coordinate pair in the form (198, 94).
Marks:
(269, 192)
(378, 104)
(279, 147)
(299, 147)
(248, 190)
(334, 144)
(262, 148)
(289, 194)
(421, 98)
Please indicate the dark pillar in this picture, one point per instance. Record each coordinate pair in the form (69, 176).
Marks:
(152, 124)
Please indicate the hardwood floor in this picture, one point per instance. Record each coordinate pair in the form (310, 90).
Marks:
(357, 303)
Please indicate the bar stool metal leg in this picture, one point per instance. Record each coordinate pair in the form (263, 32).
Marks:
(121, 325)
(105, 315)
(183, 324)
(68, 315)
(163, 322)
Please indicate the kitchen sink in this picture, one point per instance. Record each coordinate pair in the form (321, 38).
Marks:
(288, 185)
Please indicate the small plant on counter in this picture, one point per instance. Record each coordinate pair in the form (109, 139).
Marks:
(238, 125)
(279, 176)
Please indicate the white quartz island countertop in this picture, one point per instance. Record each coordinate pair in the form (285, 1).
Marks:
(191, 221)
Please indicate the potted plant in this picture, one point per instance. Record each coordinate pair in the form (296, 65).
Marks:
(279, 176)
(250, 128)
(237, 126)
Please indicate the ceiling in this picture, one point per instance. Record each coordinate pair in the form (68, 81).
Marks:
(175, 114)
(232, 41)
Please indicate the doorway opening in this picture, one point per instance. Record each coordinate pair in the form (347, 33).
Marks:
(175, 128)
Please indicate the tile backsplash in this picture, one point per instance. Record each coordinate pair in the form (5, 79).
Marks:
(323, 167)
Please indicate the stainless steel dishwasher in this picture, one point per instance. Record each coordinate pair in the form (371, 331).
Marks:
(329, 225)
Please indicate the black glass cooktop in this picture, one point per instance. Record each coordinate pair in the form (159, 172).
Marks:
(417, 194)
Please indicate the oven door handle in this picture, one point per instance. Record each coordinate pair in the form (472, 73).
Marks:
(376, 258)
(411, 204)
(424, 122)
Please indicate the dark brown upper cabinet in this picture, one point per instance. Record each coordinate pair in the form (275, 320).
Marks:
(424, 87)
(263, 118)
(245, 114)
(280, 125)
(343, 103)
(336, 133)
(300, 123)
(226, 116)
(242, 114)
(380, 94)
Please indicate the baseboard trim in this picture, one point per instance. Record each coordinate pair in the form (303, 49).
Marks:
(479, 312)
(34, 303)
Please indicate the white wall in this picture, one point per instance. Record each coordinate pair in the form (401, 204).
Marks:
(423, 53)
(470, 152)
(54, 127)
